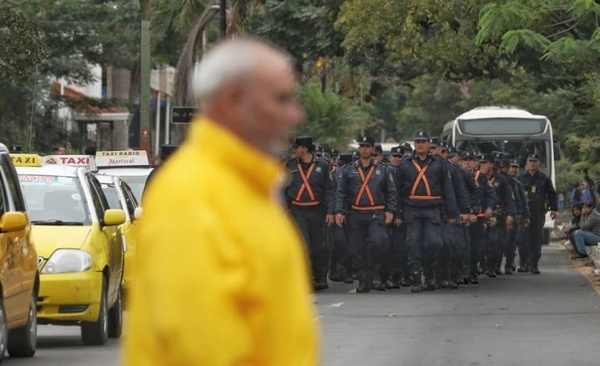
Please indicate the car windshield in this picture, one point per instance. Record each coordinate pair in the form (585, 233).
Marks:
(137, 184)
(112, 196)
(54, 200)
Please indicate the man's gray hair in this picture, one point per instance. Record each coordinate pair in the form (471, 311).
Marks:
(228, 61)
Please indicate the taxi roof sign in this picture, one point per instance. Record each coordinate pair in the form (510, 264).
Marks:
(86, 161)
(31, 160)
(122, 159)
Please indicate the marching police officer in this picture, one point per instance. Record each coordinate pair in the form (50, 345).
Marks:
(504, 213)
(398, 269)
(487, 201)
(449, 250)
(515, 238)
(425, 187)
(460, 264)
(310, 200)
(541, 196)
(370, 190)
(339, 269)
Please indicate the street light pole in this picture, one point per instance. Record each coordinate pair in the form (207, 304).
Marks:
(145, 77)
(223, 18)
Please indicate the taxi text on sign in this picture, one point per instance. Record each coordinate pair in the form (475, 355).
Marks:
(86, 161)
(133, 158)
(32, 160)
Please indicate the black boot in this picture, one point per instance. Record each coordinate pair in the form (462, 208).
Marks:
(406, 279)
(523, 267)
(430, 282)
(416, 283)
(377, 282)
(473, 278)
(464, 271)
(364, 282)
(392, 282)
(320, 282)
(535, 269)
(335, 274)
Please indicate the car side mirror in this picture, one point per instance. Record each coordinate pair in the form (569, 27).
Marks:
(138, 213)
(114, 217)
(13, 221)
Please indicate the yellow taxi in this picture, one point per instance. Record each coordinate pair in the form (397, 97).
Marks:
(80, 247)
(120, 196)
(132, 166)
(19, 280)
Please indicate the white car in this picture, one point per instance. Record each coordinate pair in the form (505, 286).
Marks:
(131, 166)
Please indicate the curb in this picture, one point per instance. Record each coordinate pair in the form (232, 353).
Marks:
(593, 252)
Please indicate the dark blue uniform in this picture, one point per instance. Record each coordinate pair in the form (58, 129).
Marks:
(339, 264)
(487, 200)
(310, 197)
(425, 187)
(450, 251)
(497, 234)
(369, 192)
(521, 213)
(541, 196)
(463, 235)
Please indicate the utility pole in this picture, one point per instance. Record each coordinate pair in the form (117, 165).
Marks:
(145, 78)
(223, 18)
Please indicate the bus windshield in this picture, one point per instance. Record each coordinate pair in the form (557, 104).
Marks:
(502, 126)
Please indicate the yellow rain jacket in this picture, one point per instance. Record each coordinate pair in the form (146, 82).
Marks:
(222, 276)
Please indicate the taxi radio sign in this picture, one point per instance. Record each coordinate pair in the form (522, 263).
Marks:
(114, 159)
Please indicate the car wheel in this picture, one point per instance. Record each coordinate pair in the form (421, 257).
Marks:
(96, 333)
(22, 341)
(3, 331)
(115, 317)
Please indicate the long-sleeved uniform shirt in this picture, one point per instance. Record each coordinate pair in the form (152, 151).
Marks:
(311, 184)
(425, 183)
(539, 191)
(486, 190)
(367, 188)
(222, 276)
(463, 200)
(473, 190)
(505, 201)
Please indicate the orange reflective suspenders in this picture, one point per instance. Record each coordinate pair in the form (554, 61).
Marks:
(305, 187)
(365, 188)
(423, 178)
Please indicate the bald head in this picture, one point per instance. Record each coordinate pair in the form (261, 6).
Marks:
(249, 87)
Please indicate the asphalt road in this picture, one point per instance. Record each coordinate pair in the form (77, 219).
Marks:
(523, 319)
(551, 319)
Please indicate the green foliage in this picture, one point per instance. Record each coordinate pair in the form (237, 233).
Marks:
(332, 119)
(21, 45)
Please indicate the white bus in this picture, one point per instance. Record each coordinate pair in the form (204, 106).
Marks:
(508, 129)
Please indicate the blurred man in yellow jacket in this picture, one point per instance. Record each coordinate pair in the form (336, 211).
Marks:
(222, 274)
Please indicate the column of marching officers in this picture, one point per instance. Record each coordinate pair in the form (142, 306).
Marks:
(427, 218)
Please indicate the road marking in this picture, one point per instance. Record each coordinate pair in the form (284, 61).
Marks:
(336, 305)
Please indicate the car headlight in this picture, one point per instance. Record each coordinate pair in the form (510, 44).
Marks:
(68, 261)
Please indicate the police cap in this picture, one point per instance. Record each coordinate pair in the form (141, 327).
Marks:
(435, 142)
(485, 158)
(344, 159)
(378, 149)
(15, 149)
(421, 136)
(451, 150)
(515, 162)
(406, 147)
(468, 155)
(366, 141)
(396, 150)
(533, 157)
(305, 141)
